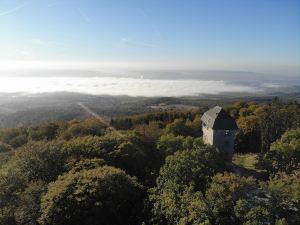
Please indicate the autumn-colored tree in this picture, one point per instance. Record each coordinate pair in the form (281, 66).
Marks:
(149, 133)
(248, 138)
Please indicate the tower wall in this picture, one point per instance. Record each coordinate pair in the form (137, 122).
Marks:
(224, 141)
(208, 135)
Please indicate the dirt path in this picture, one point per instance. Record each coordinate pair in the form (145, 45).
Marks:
(246, 172)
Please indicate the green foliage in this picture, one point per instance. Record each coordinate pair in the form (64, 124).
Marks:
(47, 131)
(183, 173)
(262, 124)
(28, 209)
(247, 161)
(281, 222)
(44, 161)
(184, 128)
(73, 165)
(127, 153)
(130, 157)
(122, 123)
(223, 194)
(11, 180)
(193, 166)
(241, 208)
(15, 137)
(93, 146)
(248, 138)
(276, 120)
(87, 127)
(258, 216)
(285, 196)
(161, 117)
(169, 144)
(103, 194)
(77, 164)
(149, 133)
(5, 148)
(41, 160)
(18, 141)
(284, 154)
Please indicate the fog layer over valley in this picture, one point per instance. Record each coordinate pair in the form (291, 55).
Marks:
(119, 86)
(142, 83)
(34, 96)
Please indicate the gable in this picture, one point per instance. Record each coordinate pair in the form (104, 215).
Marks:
(217, 119)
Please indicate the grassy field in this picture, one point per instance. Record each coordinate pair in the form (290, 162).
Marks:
(247, 161)
(245, 165)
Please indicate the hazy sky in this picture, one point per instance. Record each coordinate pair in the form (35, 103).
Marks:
(212, 34)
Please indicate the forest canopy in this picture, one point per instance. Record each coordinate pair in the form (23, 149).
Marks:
(153, 169)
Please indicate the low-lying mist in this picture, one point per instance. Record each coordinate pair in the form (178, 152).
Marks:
(142, 83)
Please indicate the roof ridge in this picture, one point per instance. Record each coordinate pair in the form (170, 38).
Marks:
(218, 118)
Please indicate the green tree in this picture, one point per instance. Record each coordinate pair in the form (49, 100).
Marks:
(28, 207)
(284, 154)
(281, 222)
(248, 138)
(276, 119)
(179, 127)
(149, 133)
(223, 194)
(5, 148)
(184, 173)
(93, 146)
(76, 164)
(271, 127)
(15, 137)
(41, 160)
(103, 195)
(258, 216)
(12, 182)
(131, 158)
(284, 191)
(46, 131)
(89, 127)
(169, 144)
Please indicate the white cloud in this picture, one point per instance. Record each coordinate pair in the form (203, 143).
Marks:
(42, 42)
(12, 10)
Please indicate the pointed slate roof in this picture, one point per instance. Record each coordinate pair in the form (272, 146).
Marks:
(217, 119)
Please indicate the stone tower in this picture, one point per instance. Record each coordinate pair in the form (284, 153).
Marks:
(219, 129)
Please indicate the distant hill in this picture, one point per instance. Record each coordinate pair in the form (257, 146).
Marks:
(27, 109)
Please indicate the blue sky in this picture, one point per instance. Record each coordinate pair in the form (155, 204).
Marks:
(210, 34)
